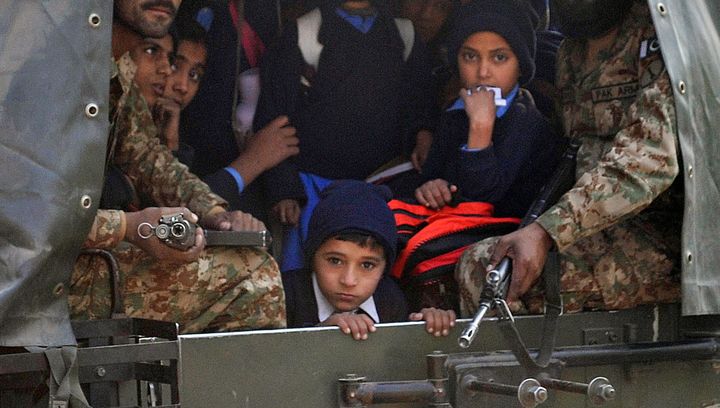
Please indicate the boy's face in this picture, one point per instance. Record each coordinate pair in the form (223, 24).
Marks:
(152, 57)
(348, 273)
(428, 16)
(189, 68)
(485, 58)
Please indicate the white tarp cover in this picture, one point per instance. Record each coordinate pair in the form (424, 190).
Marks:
(54, 62)
(689, 34)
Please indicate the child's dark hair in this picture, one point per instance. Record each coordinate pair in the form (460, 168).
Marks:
(190, 30)
(363, 239)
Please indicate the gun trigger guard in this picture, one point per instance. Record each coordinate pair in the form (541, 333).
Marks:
(504, 310)
(148, 225)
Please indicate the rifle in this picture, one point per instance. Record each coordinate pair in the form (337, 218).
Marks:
(497, 281)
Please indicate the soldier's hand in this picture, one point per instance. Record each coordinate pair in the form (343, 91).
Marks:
(435, 193)
(166, 114)
(422, 148)
(438, 322)
(528, 248)
(287, 211)
(136, 230)
(232, 221)
(356, 325)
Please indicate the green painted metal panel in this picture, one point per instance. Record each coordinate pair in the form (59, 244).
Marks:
(300, 367)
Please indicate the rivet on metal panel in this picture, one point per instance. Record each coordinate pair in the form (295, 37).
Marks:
(94, 20)
(689, 257)
(682, 87)
(59, 289)
(91, 110)
(100, 371)
(690, 171)
(662, 9)
(86, 201)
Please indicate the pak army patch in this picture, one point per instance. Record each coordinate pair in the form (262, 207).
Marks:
(609, 93)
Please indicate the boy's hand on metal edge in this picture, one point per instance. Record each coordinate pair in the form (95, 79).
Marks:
(438, 322)
(528, 248)
(233, 221)
(356, 325)
(435, 193)
(287, 211)
(151, 244)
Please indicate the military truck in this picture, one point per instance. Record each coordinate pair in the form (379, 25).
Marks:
(53, 87)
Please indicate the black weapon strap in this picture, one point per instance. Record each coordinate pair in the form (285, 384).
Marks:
(553, 309)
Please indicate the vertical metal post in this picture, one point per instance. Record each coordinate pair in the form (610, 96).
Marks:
(437, 375)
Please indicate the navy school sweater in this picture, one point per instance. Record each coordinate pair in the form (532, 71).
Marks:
(509, 174)
(363, 109)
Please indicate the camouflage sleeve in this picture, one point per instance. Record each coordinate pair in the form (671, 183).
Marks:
(151, 166)
(107, 231)
(641, 163)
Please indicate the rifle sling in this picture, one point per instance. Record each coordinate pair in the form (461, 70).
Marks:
(553, 309)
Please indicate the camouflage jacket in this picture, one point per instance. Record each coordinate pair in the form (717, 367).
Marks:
(621, 106)
(134, 147)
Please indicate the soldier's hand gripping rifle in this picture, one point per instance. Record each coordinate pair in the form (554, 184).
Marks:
(497, 281)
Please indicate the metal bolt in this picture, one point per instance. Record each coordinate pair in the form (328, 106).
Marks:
(531, 394)
(86, 201)
(607, 392)
(690, 171)
(94, 20)
(91, 110)
(600, 390)
(100, 371)
(540, 394)
(662, 9)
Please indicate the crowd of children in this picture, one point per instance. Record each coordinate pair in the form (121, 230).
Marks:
(347, 90)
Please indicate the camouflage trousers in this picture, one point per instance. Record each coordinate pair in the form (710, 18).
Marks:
(620, 267)
(225, 289)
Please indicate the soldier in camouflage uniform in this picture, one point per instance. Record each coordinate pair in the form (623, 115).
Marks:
(216, 289)
(618, 229)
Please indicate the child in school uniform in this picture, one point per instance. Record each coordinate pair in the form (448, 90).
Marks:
(364, 102)
(497, 154)
(350, 247)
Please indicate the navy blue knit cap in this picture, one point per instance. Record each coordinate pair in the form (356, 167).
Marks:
(514, 20)
(353, 206)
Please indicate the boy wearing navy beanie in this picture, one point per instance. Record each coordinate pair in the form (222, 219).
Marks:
(351, 244)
